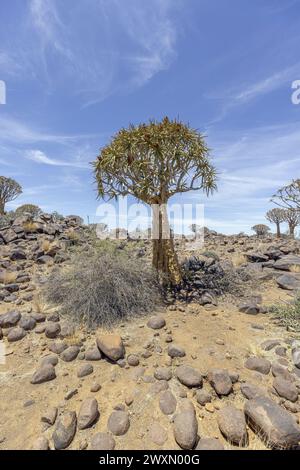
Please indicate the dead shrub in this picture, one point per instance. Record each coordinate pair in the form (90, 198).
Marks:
(101, 288)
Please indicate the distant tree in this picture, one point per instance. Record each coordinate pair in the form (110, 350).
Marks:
(196, 229)
(288, 196)
(57, 216)
(261, 230)
(276, 216)
(31, 209)
(9, 191)
(292, 217)
(153, 162)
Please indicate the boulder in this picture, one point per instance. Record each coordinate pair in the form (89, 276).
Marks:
(259, 364)
(186, 429)
(220, 381)
(65, 430)
(9, 319)
(111, 346)
(118, 423)
(175, 351)
(88, 413)
(43, 374)
(232, 425)
(189, 376)
(274, 424)
(285, 389)
(156, 322)
(16, 334)
(167, 402)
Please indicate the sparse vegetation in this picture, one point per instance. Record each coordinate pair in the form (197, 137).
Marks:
(31, 209)
(288, 313)
(102, 288)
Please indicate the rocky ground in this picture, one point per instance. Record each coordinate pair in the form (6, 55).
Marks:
(204, 371)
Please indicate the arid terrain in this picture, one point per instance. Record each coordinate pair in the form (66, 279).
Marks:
(205, 373)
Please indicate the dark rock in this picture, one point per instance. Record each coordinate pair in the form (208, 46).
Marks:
(275, 425)
(203, 397)
(189, 376)
(43, 374)
(27, 322)
(288, 282)
(70, 353)
(285, 389)
(88, 413)
(118, 423)
(167, 402)
(65, 430)
(186, 429)
(232, 424)
(49, 359)
(175, 351)
(16, 334)
(270, 344)
(163, 373)
(133, 360)
(220, 381)
(250, 308)
(156, 322)
(9, 319)
(252, 391)
(85, 369)
(259, 364)
(93, 354)
(52, 330)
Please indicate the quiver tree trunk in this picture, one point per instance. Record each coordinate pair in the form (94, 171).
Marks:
(278, 230)
(164, 256)
(292, 230)
(2, 208)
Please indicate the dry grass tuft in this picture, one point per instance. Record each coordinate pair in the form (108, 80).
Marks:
(295, 268)
(30, 227)
(8, 277)
(238, 259)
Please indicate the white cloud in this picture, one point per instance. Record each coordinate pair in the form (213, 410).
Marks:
(124, 46)
(40, 157)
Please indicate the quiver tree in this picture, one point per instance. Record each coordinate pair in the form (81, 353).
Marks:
(276, 216)
(261, 230)
(292, 217)
(9, 190)
(153, 162)
(288, 196)
(31, 209)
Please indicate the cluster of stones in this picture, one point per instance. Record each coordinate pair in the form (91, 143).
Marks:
(268, 412)
(40, 241)
(279, 262)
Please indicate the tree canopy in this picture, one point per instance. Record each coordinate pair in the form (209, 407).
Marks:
(155, 161)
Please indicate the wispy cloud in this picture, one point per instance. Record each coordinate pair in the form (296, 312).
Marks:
(38, 156)
(135, 40)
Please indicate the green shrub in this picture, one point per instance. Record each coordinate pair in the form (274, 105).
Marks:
(101, 288)
(211, 254)
(288, 313)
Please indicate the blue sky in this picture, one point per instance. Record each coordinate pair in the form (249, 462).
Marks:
(77, 71)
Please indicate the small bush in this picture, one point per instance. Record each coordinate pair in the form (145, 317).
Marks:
(288, 313)
(211, 254)
(102, 288)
